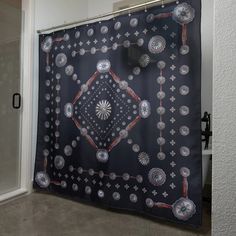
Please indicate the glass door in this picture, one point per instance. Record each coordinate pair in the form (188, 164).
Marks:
(10, 98)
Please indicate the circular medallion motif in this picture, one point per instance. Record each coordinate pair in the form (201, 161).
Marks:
(157, 176)
(63, 184)
(139, 178)
(133, 22)
(133, 197)
(126, 44)
(144, 109)
(69, 70)
(161, 65)
(184, 50)
(68, 110)
(184, 90)
(184, 209)
(91, 172)
(59, 162)
(184, 130)
(66, 37)
(103, 110)
(125, 176)
(47, 44)
(183, 13)
(150, 18)
(88, 190)
(80, 170)
(93, 50)
(61, 60)
(136, 148)
(184, 110)
(103, 66)
(144, 60)
(42, 179)
(123, 133)
(185, 172)
(117, 25)
(184, 151)
(157, 44)
(101, 194)
(140, 42)
(114, 46)
(104, 29)
(161, 95)
(116, 196)
(102, 155)
(90, 32)
(149, 202)
(143, 158)
(84, 88)
(75, 187)
(77, 34)
(68, 150)
(123, 85)
(161, 156)
(112, 176)
(161, 110)
(184, 70)
(161, 141)
(104, 49)
(161, 80)
(81, 51)
(84, 131)
(101, 174)
(136, 70)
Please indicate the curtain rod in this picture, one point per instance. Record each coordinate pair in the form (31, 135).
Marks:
(106, 15)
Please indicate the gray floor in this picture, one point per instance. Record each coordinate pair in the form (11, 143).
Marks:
(45, 215)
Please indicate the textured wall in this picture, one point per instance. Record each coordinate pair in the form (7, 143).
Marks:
(224, 114)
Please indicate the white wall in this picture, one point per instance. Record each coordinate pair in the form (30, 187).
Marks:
(224, 114)
(207, 52)
(54, 12)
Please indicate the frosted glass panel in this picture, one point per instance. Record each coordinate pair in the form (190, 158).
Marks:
(10, 28)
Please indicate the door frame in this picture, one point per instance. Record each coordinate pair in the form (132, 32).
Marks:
(26, 64)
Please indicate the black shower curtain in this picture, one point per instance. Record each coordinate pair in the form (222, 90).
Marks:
(119, 121)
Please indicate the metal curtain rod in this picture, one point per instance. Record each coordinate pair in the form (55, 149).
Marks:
(106, 15)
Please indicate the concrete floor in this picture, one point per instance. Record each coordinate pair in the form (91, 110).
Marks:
(46, 215)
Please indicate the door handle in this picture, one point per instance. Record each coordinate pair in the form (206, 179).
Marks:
(16, 101)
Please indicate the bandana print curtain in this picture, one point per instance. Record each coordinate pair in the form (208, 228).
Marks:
(119, 113)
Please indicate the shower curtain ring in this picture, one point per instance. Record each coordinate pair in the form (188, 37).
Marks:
(145, 8)
(162, 3)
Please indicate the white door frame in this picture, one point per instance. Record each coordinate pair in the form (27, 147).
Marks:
(26, 143)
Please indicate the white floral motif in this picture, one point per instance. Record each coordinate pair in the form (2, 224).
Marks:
(103, 110)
